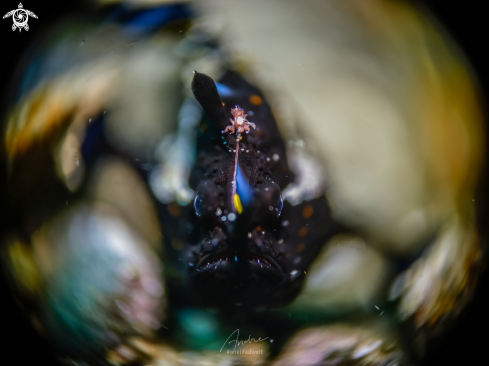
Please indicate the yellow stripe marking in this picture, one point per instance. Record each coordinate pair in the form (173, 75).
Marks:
(237, 204)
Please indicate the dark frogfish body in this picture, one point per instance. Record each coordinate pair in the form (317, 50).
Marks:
(241, 243)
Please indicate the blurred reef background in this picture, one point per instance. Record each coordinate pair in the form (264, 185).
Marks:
(465, 24)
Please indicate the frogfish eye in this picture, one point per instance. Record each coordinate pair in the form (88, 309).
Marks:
(280, 204)
(198, 205)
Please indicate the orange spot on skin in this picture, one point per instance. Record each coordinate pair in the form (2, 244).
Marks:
(255, 100)
(177, 244)
(223, 104)
(307, 211)
(174, 209)
(302, 231)
(300, 247)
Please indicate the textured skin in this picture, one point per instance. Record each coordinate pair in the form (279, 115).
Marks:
(292, 238)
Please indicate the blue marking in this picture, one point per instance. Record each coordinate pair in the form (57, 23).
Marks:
(223, 90)
(138, 22)
(235, 258)
(243, 189)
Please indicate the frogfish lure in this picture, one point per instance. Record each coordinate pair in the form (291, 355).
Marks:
(239, 124)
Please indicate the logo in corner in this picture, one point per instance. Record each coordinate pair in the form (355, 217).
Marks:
(20, 17)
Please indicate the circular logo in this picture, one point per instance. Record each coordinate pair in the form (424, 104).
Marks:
(20, 18)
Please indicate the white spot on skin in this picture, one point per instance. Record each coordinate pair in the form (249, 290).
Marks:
(294, 273)
(231, 217)
(249, 235)
(218, 211)
(280, 241)
(270, 208)
(285, 223)
(275, 157)
(239, 120)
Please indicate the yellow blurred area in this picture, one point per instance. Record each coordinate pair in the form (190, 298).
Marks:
(23, 269)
